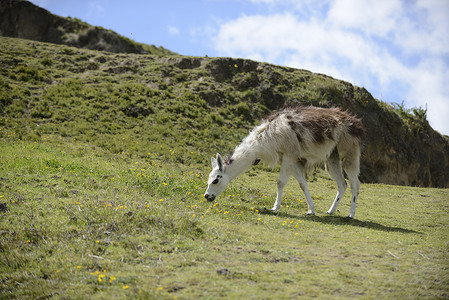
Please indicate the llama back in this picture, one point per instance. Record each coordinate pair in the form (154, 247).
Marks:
(308, 133)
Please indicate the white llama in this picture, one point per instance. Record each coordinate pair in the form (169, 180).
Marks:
(300, 138)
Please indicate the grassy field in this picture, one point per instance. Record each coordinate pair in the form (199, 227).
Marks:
(104, 160)
(78, 222)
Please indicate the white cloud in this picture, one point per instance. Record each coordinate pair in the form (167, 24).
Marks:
(428, 86)
(395, 49)
(173, 30)
(373, 17)
(428, 31)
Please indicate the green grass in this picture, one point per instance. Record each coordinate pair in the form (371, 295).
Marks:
(118, 102)
(104, 160)
(77, 221)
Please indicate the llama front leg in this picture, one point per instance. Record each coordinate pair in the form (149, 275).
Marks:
(299, 175)
(277, 204)
(282, 181)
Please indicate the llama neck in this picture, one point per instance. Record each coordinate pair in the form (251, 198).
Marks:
(243, 158)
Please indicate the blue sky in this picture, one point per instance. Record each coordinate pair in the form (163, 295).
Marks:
(398, 50)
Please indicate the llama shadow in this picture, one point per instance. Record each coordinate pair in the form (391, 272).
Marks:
(342, 221)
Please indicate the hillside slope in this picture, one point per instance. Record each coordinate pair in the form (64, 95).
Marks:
(185, 109)
(23, 19)
(77, 222)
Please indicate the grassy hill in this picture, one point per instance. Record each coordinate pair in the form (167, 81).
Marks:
(23, 19)
(120, 102)
(176, 105)
(103, 163)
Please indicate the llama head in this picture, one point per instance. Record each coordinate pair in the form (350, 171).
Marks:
(218, 179)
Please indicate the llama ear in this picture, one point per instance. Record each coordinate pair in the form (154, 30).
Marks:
(219, 162)
(213, 162)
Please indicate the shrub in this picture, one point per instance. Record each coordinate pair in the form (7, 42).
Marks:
(420, 113)
(401, 109)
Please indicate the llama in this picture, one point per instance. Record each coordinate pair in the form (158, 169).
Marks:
(299, 138)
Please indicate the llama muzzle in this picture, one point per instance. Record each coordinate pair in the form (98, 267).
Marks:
(209, 198)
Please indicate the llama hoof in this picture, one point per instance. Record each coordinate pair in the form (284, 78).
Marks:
(350, 218)
(274, 209)
(310, 213)
(329, 212)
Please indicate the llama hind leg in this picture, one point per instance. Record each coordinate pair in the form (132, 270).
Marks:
(299, 175)
(282, 181)
(352, 169)
(355, 186)
(334, 169)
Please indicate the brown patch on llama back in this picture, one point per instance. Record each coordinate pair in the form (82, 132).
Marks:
(321, 122)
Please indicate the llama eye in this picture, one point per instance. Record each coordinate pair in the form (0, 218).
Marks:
(215, 181)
